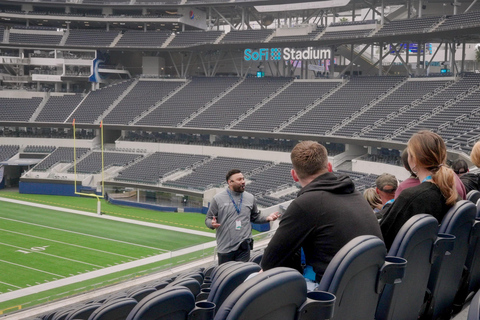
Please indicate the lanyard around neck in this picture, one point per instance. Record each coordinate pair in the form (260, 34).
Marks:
(238, 207)
(427, 178)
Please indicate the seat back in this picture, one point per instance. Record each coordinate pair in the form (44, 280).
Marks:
(474, 309)
(171, 303)
(473, 195)
(141, 293)
(471, 277)
(197, 275)
(414, 242)
(189, 283)
(352, 276)
(225, 283)
(446, 273)
(83, 312)
(256, 256)
(218, 269)
(115, 310)
(275, 294)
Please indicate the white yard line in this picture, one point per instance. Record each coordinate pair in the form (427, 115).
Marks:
(22, 266)
(11, 285)
(52, 255)
(84, 234)
(97, 273)
(142, 223)
(68, 244)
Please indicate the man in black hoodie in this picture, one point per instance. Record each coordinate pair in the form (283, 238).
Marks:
(327, 213)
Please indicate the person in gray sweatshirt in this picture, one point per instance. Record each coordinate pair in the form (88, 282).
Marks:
(231, 213)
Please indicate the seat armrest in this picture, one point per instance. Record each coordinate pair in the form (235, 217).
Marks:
(319, 305)
(392, 272)
(442, 246)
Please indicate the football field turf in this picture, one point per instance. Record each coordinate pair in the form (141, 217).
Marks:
(39, 245)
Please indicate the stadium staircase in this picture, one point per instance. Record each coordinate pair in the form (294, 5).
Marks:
(449, 104)
(6, 35)
(78, 106)
(403, 109)
(208, 105)
(320, 34)
(167, 42)
(71, 165)
(257, 106)
(159, 103)
(309, 107)
(179, 173)
(64, 38)
(117, 38)
(270, 37)
(440, 22)
(39, 108)
(365, 108)
(220, 38)
(117, 101)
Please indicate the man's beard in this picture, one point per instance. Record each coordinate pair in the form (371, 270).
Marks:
(239, 189)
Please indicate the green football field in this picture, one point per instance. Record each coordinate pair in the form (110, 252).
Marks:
(38, 246)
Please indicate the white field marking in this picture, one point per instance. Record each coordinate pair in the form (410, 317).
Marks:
(97, 273)
(85, 234)
(69, 244)
(11, 285)
(51, 255)
(107, 217)
(20, 265)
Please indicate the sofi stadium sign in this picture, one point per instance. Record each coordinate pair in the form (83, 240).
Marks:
(265, 54)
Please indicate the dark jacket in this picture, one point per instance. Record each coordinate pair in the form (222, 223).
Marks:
(471, 181)
(424, 198)
(327, 214)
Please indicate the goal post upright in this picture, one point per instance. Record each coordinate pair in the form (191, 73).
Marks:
(99, 203)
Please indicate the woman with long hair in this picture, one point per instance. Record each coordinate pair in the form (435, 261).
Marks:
(436, 193)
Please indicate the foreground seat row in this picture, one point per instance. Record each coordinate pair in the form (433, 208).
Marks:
(428, 270)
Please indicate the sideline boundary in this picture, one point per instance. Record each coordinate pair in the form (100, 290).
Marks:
(94, 215)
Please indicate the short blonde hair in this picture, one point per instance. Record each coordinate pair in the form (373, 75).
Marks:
(475, 155)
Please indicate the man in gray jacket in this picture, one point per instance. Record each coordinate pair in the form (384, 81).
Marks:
(231, 213)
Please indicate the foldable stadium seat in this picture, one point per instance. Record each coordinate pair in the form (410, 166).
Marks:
(219, 269)
(160, 284)
(114, 310)
(275, 294)
(141, 293)
(471, 277)
(474, 309)
(225, 283)
(208, 271)
(446, 273)
(474, 196)
(84, 312)
(415, 243)
(189, 283)
(256, 257)
(197, 275)
(171, 303)
(356, 275)
(115, 296)
(62, 314)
